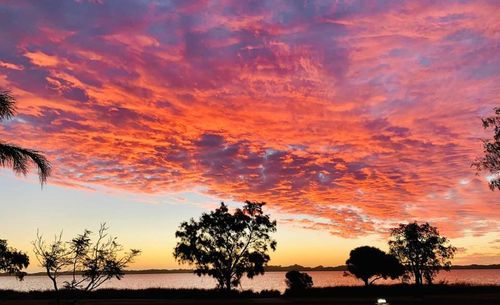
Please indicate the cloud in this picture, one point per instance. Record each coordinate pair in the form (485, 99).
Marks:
(9, 65)
(355, 115)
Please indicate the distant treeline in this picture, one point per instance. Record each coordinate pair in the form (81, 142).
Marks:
(276, 269)
(303, 268)
(280, 268)
(474, 266)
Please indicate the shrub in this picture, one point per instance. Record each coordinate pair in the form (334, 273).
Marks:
(298, 281)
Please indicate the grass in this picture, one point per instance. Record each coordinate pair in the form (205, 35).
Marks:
(396, 290)
(150, 293)
(461, 294)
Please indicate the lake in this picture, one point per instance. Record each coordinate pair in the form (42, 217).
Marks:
(270, 280)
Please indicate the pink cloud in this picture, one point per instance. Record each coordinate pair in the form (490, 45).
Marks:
(357, 113)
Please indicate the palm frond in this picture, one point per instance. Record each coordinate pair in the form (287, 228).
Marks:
(7, 105)
(19, 158)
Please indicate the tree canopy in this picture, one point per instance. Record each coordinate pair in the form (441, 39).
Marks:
(16, 157)
(370, 264)
(12, 261)
(421, 249)
(227, 245)
(491, 159)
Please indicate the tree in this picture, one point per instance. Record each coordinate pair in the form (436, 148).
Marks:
(52, 257)
(12, 261)
(90, 263)
(298, 281)
(421, 250)
(491, 159)
(367, 263)
(227, 245)
(16, 157)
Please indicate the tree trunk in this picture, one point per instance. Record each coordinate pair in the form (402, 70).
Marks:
(54, 282)
(418, 277)
(53, 278)
(228, 284)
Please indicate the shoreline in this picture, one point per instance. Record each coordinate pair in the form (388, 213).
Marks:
(271, 270)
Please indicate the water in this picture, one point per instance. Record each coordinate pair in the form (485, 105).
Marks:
(270, 280)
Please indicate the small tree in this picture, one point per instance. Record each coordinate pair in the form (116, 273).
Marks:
(12, 261)
(421, 250)
(298, 281)
(491, 159)
(52, 257)
(90, 263)
(370, 264)
(227, 245)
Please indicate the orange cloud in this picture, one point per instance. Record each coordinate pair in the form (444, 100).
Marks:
(42, 59)
(9, 65)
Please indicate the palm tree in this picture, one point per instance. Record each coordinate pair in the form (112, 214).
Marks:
(16, 157)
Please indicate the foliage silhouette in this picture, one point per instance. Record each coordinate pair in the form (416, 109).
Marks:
(367, 263)
(17, 157)
(12, 261)
(421, 250)
(90, 263)
(225, 246)
(297, 281)
(406, 294)
(491, 159)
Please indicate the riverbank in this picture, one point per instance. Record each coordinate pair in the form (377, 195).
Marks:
(395, 294)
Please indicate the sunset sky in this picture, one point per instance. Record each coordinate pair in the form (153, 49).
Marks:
(346, 117)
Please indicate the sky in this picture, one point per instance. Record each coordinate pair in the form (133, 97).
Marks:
(345, 117)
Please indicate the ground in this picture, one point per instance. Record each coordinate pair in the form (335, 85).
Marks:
(483, 299)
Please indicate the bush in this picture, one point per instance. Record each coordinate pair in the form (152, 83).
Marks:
(298, 281)
(270, 293)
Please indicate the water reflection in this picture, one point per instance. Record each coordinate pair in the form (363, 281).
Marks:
(271, 280)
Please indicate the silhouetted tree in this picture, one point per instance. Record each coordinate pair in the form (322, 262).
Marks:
(298, 281)
(421, 250)
(12, 261)
(491, 159)
(90, 263)
(227, 245)
(367, 263)
(52, 257)
(14, 156)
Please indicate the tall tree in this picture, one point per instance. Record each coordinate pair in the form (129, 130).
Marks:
(421, 250)
(370, 264)
(491, 159)
(227, 245)
(12, 261)
(16, 157)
